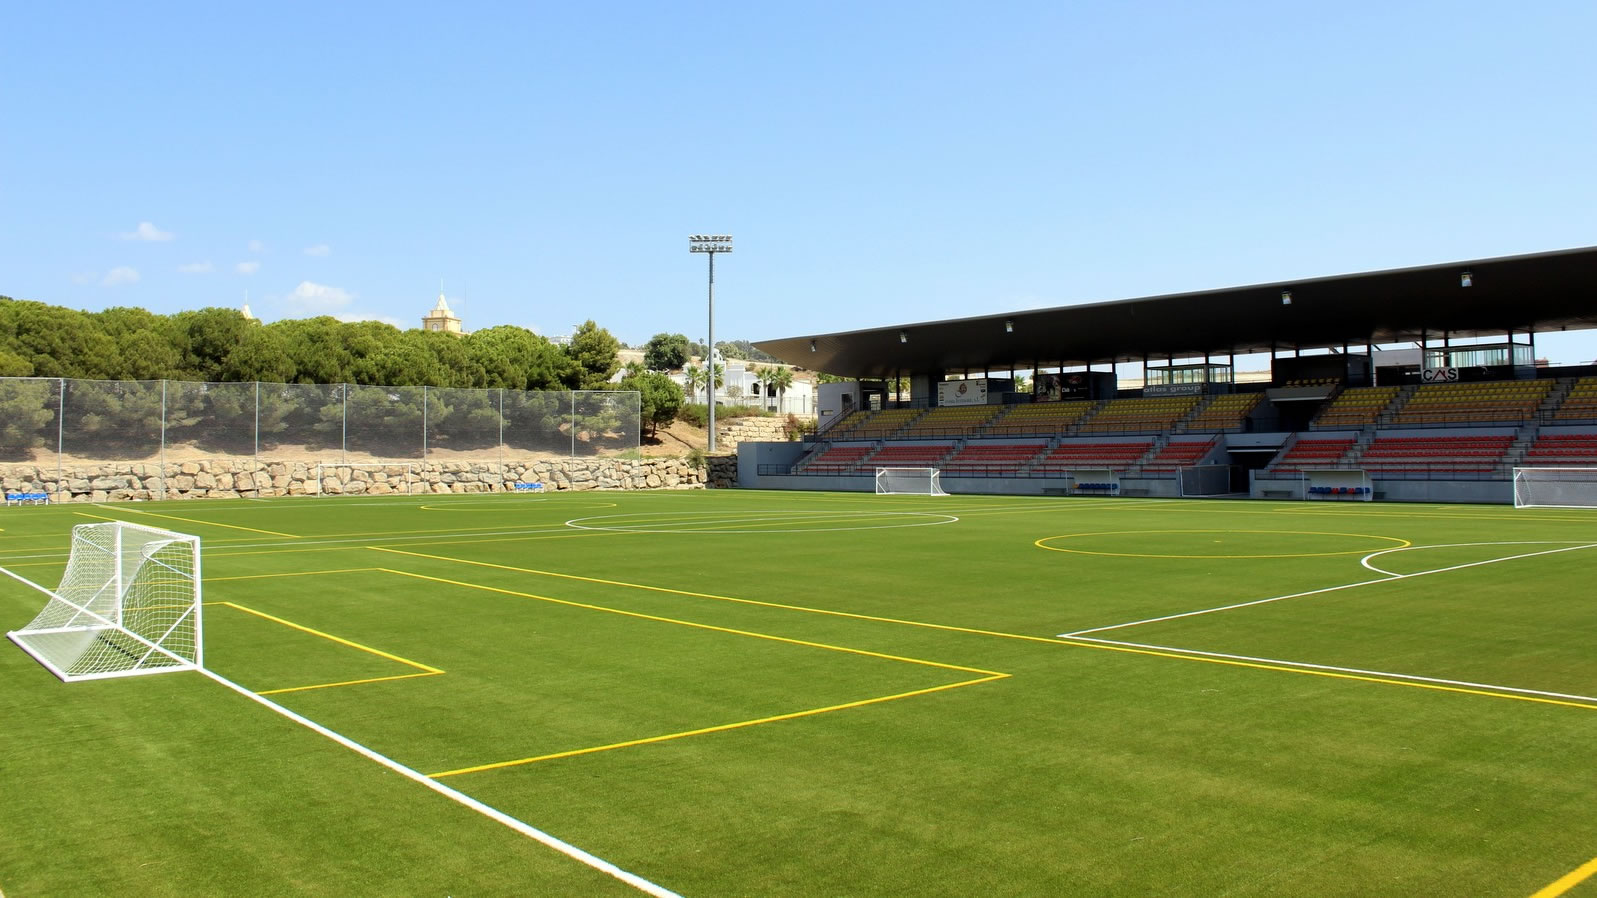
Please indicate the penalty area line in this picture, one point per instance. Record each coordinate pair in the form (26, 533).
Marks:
(1560, 885)
(1357, 673)
(457, 796)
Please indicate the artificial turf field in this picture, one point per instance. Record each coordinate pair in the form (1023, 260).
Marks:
(761, 693)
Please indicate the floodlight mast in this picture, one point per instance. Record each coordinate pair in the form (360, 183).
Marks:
(712, 244)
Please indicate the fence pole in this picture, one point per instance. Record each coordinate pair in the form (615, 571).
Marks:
(573, 423)
(257, 424)
(163, 438)
(424, 424)
(60, 431)
(343, 437)
(501, 430)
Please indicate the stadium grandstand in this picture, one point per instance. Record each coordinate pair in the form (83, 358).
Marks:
(1414, 384)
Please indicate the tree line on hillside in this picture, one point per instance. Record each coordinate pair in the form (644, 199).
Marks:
(221, 346)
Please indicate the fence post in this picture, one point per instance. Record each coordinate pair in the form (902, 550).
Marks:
(424, 424)
(60, 432)
(163, 438)
(343, 436)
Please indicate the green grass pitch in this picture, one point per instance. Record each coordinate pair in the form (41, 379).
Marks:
(812, 694)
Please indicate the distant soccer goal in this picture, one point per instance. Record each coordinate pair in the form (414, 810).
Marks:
(1346, 484)
(909, 482)
(1555, 487)
(380, 478)
(129, 603)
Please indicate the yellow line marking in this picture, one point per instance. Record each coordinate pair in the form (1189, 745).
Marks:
(1568, 881)
(996, 633)
(1042, 544)
(350, 683)
(721, 728)
(347, 570)
(338, 639)
(711, 627)
(1332, 674)
(173, 517)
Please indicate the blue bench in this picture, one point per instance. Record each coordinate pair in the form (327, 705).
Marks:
(1106, 488)
(1354, 491)
(27, 498)
(529, 487)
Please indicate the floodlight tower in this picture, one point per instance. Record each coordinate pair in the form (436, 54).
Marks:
(712, 244)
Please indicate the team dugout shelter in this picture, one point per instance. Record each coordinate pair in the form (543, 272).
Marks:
(1417, 384)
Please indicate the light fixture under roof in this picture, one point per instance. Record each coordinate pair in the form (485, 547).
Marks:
(1286, 297)
(903, 336)
(812, 346)
(1009, 326)
(1466, 280)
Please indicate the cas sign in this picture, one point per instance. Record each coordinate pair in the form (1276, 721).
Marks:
(1439, 375)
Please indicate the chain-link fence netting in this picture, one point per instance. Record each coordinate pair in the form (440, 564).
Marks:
(50, 421)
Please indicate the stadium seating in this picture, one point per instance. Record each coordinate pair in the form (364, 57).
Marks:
(1179, 454)
(985, 460)
(878, 426)
(912, 455)
(1308, 454)
(848, 422)
(1091, 454)
(1581, 403)
(1040, 418)
(1226, 412)
(1311, 382)
(1354, 407)
(1435, 454)
(1510, 401)
(1140, 415)
(1562, 449)
(835, 460)
(950, 421)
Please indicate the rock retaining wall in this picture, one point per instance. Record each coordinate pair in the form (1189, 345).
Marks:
(246, 479)
(749, 430)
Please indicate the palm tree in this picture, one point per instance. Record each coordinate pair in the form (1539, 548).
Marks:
(694, 375)
(779, 379)
(720, 377)
(633, 369)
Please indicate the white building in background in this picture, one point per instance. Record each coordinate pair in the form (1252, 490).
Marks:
(740, 385)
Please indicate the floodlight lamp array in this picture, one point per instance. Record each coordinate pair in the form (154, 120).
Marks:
(710, 243)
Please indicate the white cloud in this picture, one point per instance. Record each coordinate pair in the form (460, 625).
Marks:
(248, 267)
(255, 246)
(84, 277)
(148, 232)
(320, 249)
(319, 299)
(195, 268)
(119, 276)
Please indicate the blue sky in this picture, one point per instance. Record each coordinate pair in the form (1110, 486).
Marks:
(877, 163)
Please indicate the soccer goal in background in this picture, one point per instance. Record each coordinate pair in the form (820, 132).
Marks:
(909, 482)
(128, 604)
(1555, 487)
(1344, 484)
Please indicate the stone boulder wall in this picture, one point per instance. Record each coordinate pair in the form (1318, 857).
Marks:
(749, 430)
(249, 479)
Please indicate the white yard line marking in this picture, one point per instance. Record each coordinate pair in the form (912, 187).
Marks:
(1390, 577)
(1349, 670)
(455, 795)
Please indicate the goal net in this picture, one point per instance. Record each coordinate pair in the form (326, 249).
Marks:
(909, 482)
(1555, 487)
(128, 603)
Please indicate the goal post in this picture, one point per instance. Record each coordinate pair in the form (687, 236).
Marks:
(128, 604)
(1345, 484)
(1555, 487)
(909, 482)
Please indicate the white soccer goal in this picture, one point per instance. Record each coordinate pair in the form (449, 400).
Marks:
(381, 478)
(129, 603)
(1346, 484)
(1555, 487)
(909, 482)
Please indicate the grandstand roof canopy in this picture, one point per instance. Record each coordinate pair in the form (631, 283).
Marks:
(1531, 293)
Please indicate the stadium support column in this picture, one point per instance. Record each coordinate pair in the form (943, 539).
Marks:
(711, 244)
